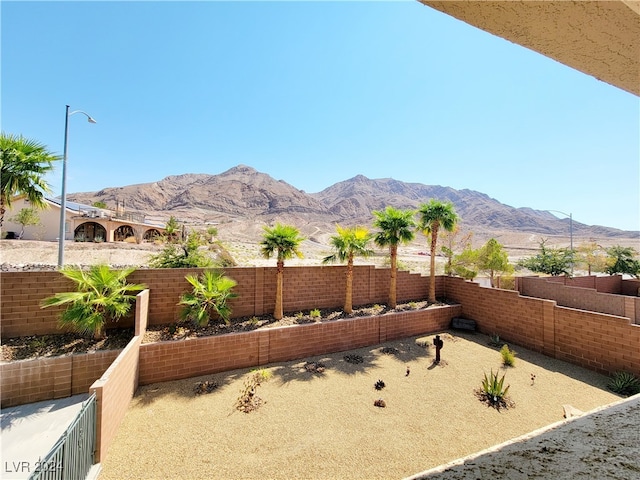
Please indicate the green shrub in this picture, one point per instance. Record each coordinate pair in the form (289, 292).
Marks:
(493, 392)
(101, 294)
(624, 383)
(209, 296)
(315, 313)
(508, 356)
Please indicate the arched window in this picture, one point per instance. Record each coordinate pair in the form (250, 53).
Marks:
(151, 234)
(90, 232)
(122, 233)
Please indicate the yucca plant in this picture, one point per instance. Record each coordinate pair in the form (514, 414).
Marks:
(101, 294)
(624, 383)
(209, 296)
(493, 391)
(493, 387)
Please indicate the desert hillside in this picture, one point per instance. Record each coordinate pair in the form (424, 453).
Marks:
(242, 200)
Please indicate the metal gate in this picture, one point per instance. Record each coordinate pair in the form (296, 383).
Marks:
(72, 455)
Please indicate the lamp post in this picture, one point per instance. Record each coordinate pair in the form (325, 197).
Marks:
(63, 193)
(570, 234)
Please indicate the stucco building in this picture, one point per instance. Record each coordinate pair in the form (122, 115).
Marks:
(83, 223)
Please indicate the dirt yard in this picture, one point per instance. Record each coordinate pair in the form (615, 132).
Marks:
(322, 423)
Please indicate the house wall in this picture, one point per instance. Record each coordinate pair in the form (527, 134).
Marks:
(49, 219)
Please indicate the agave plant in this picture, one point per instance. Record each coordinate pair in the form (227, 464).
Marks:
(101, 294)
(492, 387)
(209, 296)
(624, 383)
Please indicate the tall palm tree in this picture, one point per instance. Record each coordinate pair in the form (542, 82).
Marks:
(23, 164)
(434, 216)
(396, 227)
(347, 244)
(284, 241)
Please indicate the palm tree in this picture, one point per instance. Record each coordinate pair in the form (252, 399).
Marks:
(23, 163)
(284, 241)
(101, 294)
(347, 244)
(209, 296)
(434, 216)
(396, 227)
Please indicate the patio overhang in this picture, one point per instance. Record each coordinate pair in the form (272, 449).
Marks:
(598, 37)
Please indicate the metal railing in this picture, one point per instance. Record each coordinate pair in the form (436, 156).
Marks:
(71, 457)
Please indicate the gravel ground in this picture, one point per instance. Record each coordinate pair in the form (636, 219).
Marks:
(322, 425)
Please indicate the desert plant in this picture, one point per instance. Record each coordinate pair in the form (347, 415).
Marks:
(210, 294)
(24, 164)
(493, 391)
(248, 400)
(624, 383)
(185, 254)
(347, 244)
(352, 358)
(283, 241)
(379, 385)
(508, 356)
(379, 403)
(101, 294)
(26, 217)
(396, 227)
(315, 313)
(494, 340)
(434, 216)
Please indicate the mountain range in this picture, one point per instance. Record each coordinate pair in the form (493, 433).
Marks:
(246, 199)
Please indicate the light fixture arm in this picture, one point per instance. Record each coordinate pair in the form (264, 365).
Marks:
(63, 190)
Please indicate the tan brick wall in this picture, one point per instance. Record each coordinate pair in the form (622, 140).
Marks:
(114, 390)
(630, 287)
(39, 379)
(600, 342)
(603, 343)
(583, 298)
(305, 288)
(164, 361)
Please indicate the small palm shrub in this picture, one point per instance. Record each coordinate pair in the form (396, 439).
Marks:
(624, 383)
(493, 392)
(508, 356)
(101, 294)
(209, 297)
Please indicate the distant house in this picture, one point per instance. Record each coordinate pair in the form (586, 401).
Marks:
(83, 223)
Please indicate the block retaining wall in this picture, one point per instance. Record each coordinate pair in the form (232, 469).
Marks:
(40, 379)
(164, 361)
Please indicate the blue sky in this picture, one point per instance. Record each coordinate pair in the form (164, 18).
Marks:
(314, 93)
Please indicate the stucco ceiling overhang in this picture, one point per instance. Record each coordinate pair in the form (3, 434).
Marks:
(599, 38)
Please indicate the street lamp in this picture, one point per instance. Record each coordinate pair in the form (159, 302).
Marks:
(570, 233)
(63, 194)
